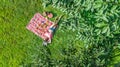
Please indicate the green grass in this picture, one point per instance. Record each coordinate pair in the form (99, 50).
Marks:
(16, 42)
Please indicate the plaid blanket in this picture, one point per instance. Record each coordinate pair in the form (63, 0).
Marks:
(41, 26)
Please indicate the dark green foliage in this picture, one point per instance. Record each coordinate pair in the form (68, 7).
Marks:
(98, 26)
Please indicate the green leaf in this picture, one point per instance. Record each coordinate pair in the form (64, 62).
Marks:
(100, 24)
(98, 31)
(108, 32)
(113, 27)
(104, 30)
(119, 46)
(105, 18)
(97, 5)
(114, 7)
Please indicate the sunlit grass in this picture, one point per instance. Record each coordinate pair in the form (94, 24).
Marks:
(16, 41)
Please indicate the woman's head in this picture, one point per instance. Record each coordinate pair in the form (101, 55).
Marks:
(48, 14)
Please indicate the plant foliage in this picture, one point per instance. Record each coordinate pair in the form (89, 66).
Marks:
(98, 25)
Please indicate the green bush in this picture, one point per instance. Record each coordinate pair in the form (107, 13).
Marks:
(97, 25)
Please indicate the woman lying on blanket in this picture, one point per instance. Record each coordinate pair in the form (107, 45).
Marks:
(51, 29)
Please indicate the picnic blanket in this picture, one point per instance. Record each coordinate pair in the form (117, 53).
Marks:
(41, 26)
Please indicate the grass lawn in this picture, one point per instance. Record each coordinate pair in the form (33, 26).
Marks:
(16, 42)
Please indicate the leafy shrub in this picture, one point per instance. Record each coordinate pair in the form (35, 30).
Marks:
(98, 26)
